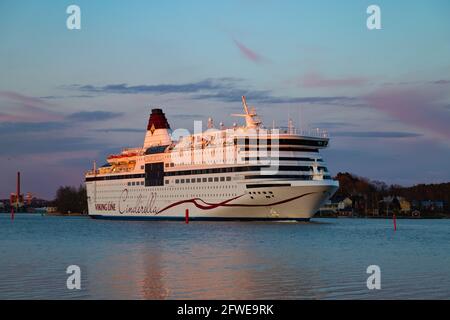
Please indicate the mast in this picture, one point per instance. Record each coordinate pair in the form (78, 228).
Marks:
(244, 103)
(251, 118)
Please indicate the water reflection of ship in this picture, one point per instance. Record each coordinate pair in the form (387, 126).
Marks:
(200, 270)
(153, 281)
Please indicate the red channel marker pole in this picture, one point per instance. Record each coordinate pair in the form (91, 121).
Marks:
(187, 216)
(17, 196)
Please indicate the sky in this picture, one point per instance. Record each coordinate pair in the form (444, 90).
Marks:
(69, 97)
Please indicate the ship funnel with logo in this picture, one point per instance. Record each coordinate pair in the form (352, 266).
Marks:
(158, 130)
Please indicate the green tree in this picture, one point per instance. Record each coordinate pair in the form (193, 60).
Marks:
(71, 200)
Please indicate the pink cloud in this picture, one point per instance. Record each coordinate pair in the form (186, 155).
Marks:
(314, 79)
(21, 98)
(248, 53)
(421, 107)
(22, 108)
(7, 117)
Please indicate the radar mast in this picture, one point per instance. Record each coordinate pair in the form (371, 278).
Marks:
(252, 120)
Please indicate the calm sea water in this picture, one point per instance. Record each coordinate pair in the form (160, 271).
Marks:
(323, 259)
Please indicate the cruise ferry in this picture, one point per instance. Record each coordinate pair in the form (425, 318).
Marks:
(246, 172)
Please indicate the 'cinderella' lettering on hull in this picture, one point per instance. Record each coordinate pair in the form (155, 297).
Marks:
(142, 205)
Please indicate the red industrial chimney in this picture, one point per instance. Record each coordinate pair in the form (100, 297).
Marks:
(18, 190)
(17, 196)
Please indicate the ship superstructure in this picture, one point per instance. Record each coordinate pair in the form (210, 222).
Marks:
(239, 173)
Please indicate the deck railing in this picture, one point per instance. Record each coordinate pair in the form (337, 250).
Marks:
(315, 133)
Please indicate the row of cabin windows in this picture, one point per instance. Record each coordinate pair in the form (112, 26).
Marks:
(171, 164)
(193, 180)
(136, 183)
(281, 159)
(240, 169)
(290, 142)
(167, 165)
(199, 180)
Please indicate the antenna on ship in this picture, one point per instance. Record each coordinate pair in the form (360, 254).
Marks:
(244, 102)
(301, 119)
(290, 126)
(289, 118)
(251, 118)
(210, 123)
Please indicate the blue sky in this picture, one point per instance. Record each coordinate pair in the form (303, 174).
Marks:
(383, 94)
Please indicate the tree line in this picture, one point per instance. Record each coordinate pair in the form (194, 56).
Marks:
(71, 199)
(367, 194)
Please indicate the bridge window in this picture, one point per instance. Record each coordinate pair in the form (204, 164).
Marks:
(154, 174)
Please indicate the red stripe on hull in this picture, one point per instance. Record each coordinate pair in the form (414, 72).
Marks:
(225, 203)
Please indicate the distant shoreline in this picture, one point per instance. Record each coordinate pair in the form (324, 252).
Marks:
(384, 217)
(73, 214)
(52, 214)
(59, 214)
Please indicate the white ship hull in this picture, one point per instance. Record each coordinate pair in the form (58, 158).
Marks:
(299, 201)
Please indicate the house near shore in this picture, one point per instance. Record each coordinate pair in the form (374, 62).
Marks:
(432, 205)
(51, 209)
(396, 203)
(338, 205)
(405, 205)
(329, 207)
(345, 203)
